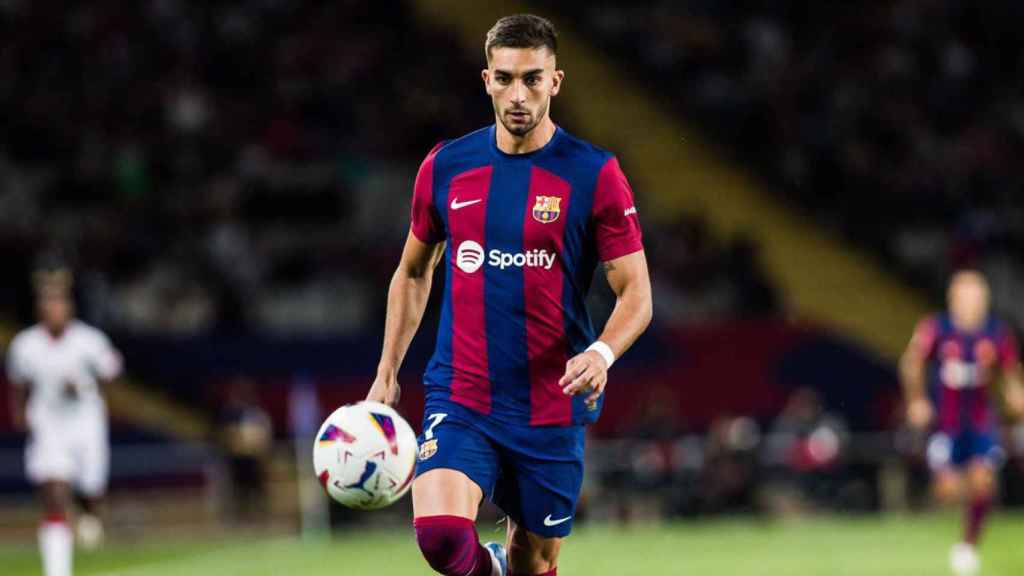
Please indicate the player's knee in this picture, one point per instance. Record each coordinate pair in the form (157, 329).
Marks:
(981, 482)
(947, 493)
(55, 499)
(448, 543)
(531, 554)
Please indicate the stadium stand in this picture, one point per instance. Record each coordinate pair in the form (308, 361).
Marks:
(897, 124)
(245, 168)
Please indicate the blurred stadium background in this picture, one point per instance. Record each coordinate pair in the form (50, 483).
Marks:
(230, 182)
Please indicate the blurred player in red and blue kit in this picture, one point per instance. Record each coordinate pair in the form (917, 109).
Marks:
(948, 373)
(520, 212)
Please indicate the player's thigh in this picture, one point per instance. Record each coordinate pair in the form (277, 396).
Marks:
(530, 553)
(541, 480)
(443, 491)
(49, 454)
(947, 485)
(93, 465)
(456, 467)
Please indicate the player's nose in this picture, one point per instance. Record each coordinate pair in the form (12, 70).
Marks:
(518, 93)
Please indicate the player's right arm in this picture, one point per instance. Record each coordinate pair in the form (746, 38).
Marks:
(18, 401)
(410, 285)
(912, 374)
(17, 381)
(407, 299)
(1013, 379)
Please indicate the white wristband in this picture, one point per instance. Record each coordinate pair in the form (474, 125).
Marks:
(604, 350)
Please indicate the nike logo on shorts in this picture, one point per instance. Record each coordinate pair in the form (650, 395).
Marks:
(549, 522)
(456, 204)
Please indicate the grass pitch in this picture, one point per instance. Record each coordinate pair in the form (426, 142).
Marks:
(853, 546)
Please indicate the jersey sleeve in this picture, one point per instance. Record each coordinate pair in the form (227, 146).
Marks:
(426, 220)
(616, 224)
(925, 335)
(17, 370)
(1009, 353)
(104, 359)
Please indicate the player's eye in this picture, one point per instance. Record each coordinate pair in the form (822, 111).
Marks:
(502, 79)
(532, 80)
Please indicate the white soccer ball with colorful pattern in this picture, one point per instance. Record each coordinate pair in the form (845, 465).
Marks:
(365, 455)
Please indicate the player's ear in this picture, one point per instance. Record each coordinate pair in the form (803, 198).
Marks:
(485, 74)
(556, 82)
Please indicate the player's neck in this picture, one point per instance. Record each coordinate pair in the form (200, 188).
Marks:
(56, 331)
(968, 325)
(533, 140)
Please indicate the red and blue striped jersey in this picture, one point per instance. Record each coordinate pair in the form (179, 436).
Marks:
(524, 233)
(961, 368)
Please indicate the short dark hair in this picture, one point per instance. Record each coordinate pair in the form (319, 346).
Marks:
(521, 31)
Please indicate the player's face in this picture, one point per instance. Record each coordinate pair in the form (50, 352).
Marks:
(968, 299)
(521, 82)
(54, 310)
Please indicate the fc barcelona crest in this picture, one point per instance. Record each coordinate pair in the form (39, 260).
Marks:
(546, 209)
(428, 449)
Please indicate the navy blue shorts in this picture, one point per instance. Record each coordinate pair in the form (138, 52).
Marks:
(533, 473)
(957, 450)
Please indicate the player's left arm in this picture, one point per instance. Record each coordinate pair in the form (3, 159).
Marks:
(107, 362)
(618, 241)
(587, 372)
(1013, 382)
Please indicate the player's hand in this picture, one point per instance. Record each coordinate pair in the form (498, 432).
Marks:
(919, 413)
(1015, 402)
(585, 373)
(385, 389)
(18, 421)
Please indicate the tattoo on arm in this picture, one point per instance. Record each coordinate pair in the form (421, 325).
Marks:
(609, 267)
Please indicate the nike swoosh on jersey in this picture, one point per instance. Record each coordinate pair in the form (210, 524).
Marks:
(549, 522)
(456, 204)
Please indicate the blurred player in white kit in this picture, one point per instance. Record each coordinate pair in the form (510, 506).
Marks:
(57, 369)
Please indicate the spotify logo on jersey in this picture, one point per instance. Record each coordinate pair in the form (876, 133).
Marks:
(470, 256)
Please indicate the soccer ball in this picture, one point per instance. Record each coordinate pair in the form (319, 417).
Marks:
(365, 455)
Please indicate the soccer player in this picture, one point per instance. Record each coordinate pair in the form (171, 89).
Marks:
(56, 369)
(520, 212)
(958, 355)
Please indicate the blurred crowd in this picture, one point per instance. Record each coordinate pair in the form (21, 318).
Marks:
(220, 165)
(898, 124)
(699, 277)
(246, 166)
(805, 459)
